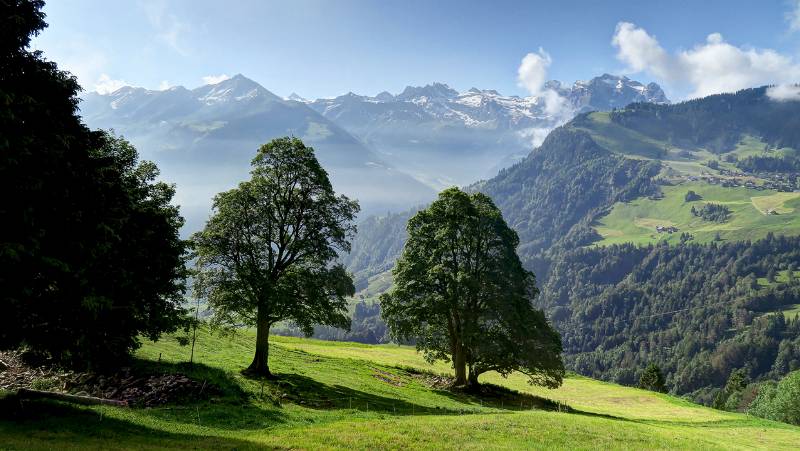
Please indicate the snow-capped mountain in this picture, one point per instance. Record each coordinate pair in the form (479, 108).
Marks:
(203, 139)
(389, 151)
(608, 91)
(444, 137)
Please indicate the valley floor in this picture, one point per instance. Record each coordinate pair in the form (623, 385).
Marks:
(332, 395)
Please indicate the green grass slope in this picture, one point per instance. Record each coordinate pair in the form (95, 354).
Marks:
(636, 221)
(350, 396)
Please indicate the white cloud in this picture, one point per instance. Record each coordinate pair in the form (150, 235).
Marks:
(793, 16)
(107, 85)
(214, 79)
(532, 75)
(641, 52)
(708, 68)
(532, 72)
(164, 85)
(784, 93)
(536, 135)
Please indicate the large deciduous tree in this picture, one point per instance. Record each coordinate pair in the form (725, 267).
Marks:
(267, 253)
(462, 294)
(90, 256)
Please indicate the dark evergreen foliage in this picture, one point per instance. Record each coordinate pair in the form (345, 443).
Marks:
(712, 212)
(761, 163)
(652, 379)
(697, 309)
(717, 122)
(691, 196)
(90, 257)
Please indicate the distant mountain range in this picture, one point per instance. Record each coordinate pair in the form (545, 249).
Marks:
(388, 151)
(423, 130)
(203, 140)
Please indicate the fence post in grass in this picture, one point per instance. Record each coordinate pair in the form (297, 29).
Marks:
(194, 332)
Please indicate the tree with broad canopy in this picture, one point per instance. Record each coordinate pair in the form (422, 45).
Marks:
(266, 254)
(462, 294)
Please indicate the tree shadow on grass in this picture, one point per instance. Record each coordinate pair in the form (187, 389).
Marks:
(503, 398)
(46, 424)
(308, 392)
(220, 383)
(311, 393)
(229, 406)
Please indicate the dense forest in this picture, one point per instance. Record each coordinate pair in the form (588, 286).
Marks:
(698, 310)
(716, 122)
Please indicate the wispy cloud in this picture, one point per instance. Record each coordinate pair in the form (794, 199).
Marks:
(793, 16)
(784, 93)
(168, 27)
(712, 67)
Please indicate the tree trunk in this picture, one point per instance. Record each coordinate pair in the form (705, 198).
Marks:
(460, 365)
(473, 383)
(260, 365)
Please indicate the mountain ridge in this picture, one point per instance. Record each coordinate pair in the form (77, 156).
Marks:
(423, 128)
(204, 138)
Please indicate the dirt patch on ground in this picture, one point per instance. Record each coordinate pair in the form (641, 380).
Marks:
(142, 390)
(389, 378)
(437, 381)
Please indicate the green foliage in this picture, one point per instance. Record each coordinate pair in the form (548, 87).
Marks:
(716, 122)
(769, 163)
(712, 212)
(652, 379)
(265, 255)
(462, 294)
(623, 306)
(779, 401)
(730, 396)
(91, 258)
(691, 196)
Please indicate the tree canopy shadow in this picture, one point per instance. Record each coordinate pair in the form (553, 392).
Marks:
(44, 423)
(311, 393)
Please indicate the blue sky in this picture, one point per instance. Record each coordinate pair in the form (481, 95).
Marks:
(325, 48)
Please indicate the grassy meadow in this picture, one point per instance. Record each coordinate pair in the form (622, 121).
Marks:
(636, 221)
(332, 395)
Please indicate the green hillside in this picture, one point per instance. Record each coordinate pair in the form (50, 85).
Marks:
(346, 395)
(636, 221)
(686, 167)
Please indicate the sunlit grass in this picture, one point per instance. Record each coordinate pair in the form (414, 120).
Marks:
(325, 389)
(636, 221)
